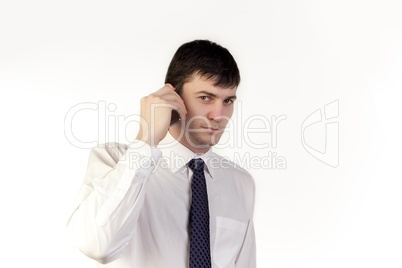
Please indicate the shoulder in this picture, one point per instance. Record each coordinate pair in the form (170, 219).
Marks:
(226, 163)
(232, 169)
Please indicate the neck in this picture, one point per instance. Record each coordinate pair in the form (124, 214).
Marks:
(180, 137)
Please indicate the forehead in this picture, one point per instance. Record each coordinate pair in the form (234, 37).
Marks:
(198, 84)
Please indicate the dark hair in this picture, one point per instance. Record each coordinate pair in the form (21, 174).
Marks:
(204, 58)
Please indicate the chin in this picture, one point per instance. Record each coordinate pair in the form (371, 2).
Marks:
(210, 140)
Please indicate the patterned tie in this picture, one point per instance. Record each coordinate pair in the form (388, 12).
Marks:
(200, 256)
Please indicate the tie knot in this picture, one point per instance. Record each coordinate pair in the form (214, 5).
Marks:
(196, 164)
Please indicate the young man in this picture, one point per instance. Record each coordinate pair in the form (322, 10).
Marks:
(166, 200)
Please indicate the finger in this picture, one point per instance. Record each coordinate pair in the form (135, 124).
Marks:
(167, 92)
(180, 110)
(167, 88)
(177, 102)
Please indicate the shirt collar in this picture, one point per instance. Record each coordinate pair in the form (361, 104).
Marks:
(176, 155)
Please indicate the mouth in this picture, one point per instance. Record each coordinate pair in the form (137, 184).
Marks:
(211, 129)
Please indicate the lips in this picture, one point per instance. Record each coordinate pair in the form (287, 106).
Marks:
(211, 129)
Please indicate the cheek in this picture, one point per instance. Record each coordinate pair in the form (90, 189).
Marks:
(196, 112)
(228, 114)
(197, 122)
(230, 111)
(192, 119)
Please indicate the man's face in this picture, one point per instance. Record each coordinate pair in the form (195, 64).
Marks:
(209, 108)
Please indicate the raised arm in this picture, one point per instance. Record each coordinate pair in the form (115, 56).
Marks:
(113, 191)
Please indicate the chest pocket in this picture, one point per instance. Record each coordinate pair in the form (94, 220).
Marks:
(228, 241)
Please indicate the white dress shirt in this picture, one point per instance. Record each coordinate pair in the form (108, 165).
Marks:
(133, 207)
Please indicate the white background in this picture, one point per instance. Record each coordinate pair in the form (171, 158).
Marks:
(295, 57)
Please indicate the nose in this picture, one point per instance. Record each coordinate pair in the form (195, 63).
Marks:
(217, 112)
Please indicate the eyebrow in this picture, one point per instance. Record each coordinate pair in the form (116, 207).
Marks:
(213, 95)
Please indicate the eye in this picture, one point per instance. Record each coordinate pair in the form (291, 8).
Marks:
(229, 101)
(205, 98)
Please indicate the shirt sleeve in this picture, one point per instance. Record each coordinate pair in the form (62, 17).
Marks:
(111, 198)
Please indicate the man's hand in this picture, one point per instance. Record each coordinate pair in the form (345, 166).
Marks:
(156, 111)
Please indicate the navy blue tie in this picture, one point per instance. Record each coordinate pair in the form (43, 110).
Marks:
(200, 255)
